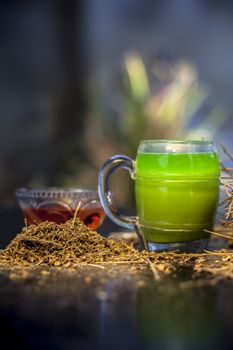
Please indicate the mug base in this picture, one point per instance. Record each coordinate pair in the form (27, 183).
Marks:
(192, 246)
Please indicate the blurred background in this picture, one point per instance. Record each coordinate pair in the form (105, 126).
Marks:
(84, 80)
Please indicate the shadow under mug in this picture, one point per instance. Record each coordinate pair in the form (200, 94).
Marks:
(176, 190)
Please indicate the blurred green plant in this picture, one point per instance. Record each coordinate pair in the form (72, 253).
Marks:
(161, 103)
(168, 109)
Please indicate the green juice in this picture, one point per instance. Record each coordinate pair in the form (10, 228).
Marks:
(176, 195)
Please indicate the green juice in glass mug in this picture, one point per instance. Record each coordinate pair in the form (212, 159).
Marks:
(176, 189)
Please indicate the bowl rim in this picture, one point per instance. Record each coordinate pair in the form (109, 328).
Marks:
(52, 192)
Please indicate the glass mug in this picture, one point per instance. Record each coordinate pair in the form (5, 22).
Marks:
(176, 190)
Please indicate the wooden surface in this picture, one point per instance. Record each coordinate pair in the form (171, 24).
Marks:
(113, 308)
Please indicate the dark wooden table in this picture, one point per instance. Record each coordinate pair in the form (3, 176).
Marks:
(113, 308)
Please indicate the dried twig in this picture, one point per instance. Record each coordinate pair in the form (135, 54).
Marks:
(76, 211)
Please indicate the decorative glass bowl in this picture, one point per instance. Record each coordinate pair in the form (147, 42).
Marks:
(59, 205)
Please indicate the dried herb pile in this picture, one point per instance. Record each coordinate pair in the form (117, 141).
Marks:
(72, 244)
(66, 245)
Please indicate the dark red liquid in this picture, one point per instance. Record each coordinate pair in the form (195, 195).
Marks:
(92, 217)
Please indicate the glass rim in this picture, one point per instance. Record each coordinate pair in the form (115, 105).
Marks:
(177, 146)
(194, 142)
(53, 191)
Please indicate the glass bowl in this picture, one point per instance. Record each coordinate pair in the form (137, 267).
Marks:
(59, 205)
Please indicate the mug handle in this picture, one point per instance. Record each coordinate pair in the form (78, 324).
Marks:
(112, 164)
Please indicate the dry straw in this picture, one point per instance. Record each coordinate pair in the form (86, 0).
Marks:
(67, 244)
